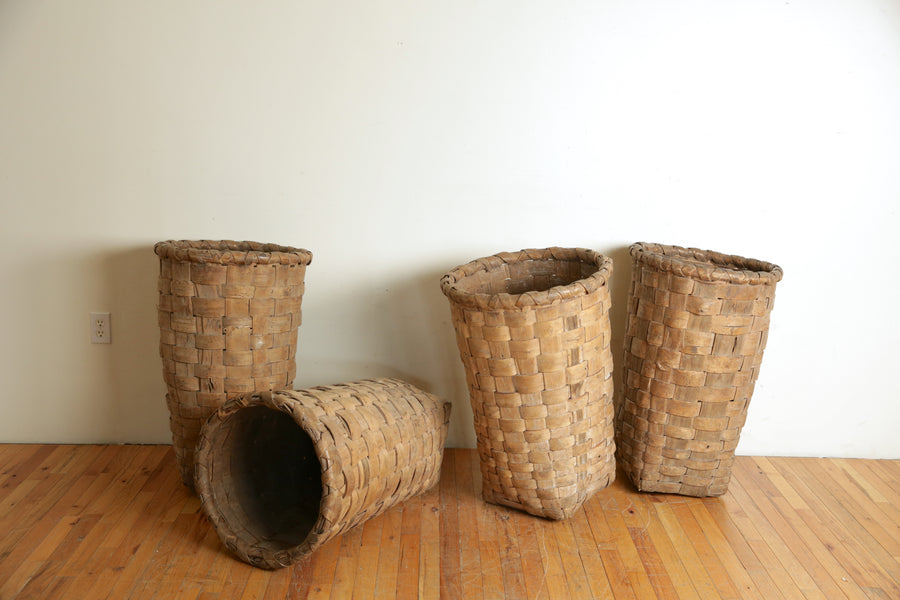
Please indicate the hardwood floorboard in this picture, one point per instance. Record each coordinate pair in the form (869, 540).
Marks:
(776, 557)
(786, 514)
(878, 570)
(653, 564)
(586, 547)
(886, 473)
(537, 566)
(619, 507)
(727, 516)
(488, 539)
(389, 553)
(450, 545)
(410, 550)
(573, 566)
(688, 551)
(370, 548)
(430, 559)
(113, 522)
(868, 513)
(467, 534)
(510, 555)
(743, 583)
(819, 522)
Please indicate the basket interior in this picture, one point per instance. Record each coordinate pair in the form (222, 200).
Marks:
(712, 260)
(266, 478)
(526, 276)
(710, 263)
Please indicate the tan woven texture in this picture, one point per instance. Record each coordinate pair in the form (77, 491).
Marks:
(281, 473)
(228, 318)
(533, 333)
(697, 326)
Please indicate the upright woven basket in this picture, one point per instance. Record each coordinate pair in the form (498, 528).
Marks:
(281, 473)
(228, 319)
(533, 333)
(697, 326)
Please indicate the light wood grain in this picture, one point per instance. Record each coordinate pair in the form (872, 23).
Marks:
(114, 522)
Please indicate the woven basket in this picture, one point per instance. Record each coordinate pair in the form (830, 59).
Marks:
(281, 473)
(533, 333)
(697, 326)
(228, 319)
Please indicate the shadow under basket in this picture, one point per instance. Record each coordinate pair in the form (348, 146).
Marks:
(281, 473)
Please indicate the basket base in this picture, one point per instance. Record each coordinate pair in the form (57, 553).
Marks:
(709, 489)
(557, 509)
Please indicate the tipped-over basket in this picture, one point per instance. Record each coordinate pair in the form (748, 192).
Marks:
(697, 326)
(281, 473)
(533, 334)
(228, 318)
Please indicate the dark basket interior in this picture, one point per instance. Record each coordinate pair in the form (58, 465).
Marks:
(266, 478)
(526, 276)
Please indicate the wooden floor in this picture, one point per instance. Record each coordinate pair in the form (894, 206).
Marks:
(115, 522)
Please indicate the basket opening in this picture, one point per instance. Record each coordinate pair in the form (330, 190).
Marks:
(711, 260)
(269, 482)
(715, 264)
(709, 263)
(527, 276)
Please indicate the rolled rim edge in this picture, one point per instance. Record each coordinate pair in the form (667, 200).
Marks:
(230, 252)
(677, 260)
(580, 287)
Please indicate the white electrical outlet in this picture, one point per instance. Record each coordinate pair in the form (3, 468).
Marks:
(101, 332)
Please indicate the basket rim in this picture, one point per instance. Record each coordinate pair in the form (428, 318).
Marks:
(231, 252)
(580, 287)
(716, 266)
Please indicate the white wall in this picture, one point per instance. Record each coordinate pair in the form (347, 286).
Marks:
(397, 140)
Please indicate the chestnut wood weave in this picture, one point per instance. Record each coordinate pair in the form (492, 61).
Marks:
(228, 318)
(533, 334)
(281, 473)
(698, 323)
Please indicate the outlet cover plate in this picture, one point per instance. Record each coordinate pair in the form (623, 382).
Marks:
(101, 332)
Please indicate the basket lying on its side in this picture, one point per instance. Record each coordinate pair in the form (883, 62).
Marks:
(533, 333)
(228, 319)
(281, 473)
(697, 326)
